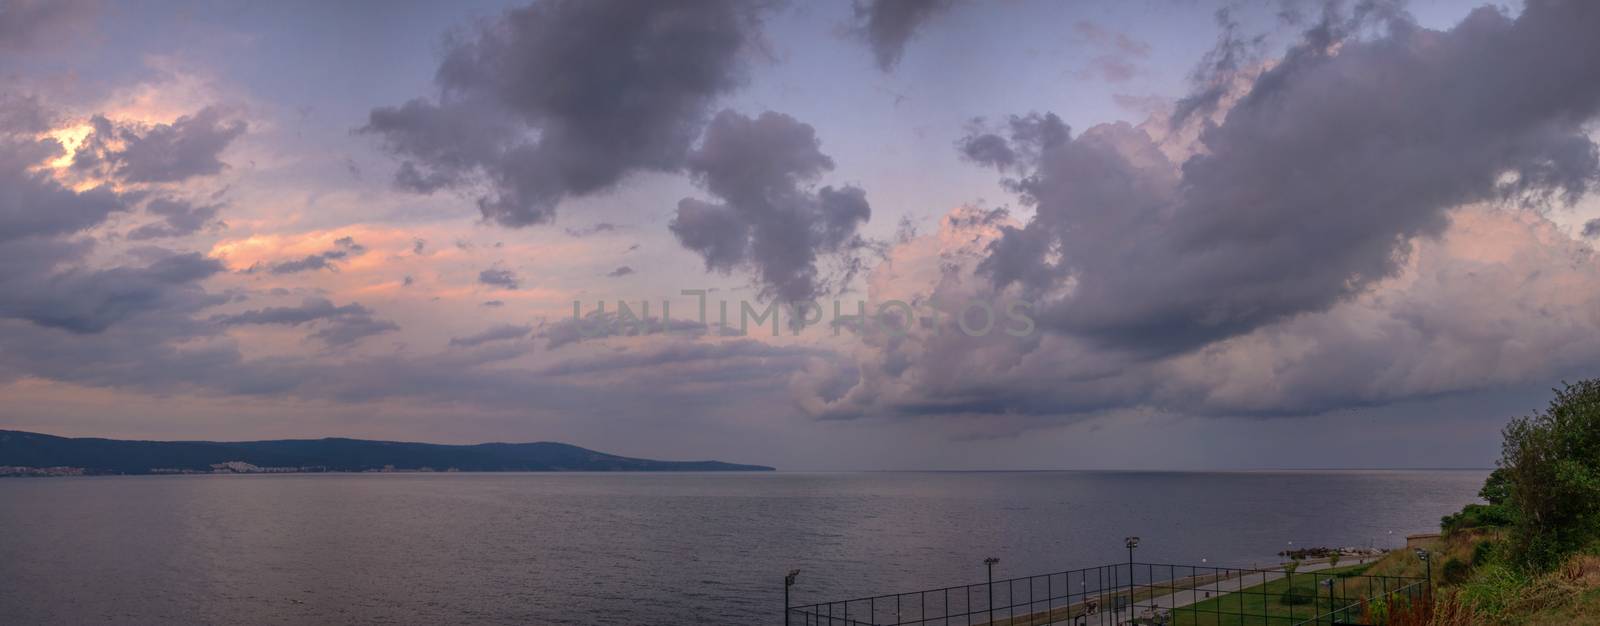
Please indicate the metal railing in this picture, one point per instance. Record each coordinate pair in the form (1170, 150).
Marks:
(1129, 593)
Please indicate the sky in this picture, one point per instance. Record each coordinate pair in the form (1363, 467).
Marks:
(1134, 235)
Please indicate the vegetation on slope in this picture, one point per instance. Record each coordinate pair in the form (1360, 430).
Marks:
(1530, 554)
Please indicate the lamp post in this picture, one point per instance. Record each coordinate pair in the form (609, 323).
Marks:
(989, 564)
(1131, 543)
(788, 581)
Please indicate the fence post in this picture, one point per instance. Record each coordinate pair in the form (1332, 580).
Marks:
(1332, 603)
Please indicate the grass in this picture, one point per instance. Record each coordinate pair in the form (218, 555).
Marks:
(1585, 609)
(1496, 594)
(1262, 605)
(1569, 595)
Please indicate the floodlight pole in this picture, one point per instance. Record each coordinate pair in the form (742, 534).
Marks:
(788, 581)
(1427, 563)
(989, 564)
(1131, 543)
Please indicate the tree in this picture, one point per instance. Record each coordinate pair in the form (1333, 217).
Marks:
(1333, 559)
(1497, 492)
(1550, 477)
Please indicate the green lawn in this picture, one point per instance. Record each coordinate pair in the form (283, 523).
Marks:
(1262, 605)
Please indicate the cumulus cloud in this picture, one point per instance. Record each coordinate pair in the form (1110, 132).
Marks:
(565, 98)
(1305, 194)
(890, 24)
(35, 204)
(502, 278)
(1317, 251)
(770, 219)
(1503, 298)
(45, 276)
(159, 153)
(338, 326)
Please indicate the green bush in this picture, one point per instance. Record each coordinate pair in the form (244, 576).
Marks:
(1484, 552)
(1298, 594)
(1455, 571)
(1550, 465)
(1477, 516)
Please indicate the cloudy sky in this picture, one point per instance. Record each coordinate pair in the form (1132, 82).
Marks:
(1293, 234)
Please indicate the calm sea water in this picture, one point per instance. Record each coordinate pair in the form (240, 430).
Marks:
(636, 548)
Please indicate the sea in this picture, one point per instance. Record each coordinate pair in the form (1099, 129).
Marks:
(640, 548)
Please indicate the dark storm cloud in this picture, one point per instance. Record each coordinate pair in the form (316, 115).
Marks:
(344, 248)
(337, 325)
(160, 153)
(1591, 229)
(26, 24)
(769, 218)
(178, 218)
(497, 333)
(1308, 190)
(83, 300)
(619, 272)
(502, 278)
(565, 98)
(34, 205)
(890, 24)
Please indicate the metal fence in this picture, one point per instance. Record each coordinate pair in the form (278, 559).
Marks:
(1132, 593)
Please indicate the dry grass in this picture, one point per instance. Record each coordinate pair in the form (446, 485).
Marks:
(1569, 595)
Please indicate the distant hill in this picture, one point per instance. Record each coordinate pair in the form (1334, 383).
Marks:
(22, 450)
